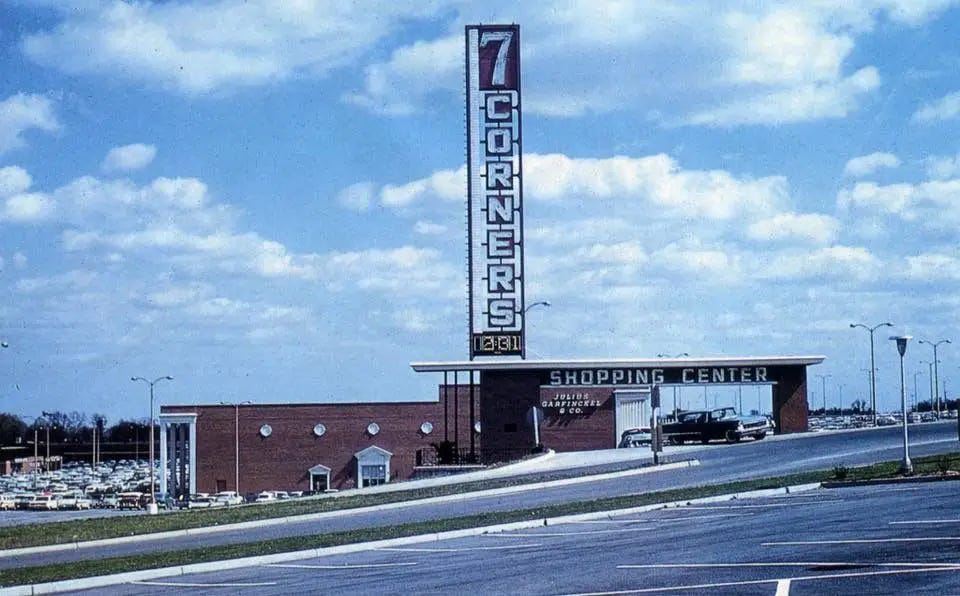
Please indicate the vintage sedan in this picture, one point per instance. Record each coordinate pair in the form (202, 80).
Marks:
(719, 423)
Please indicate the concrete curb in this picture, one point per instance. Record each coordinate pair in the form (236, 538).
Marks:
(122, 578)
(15, 552)
(878, 481)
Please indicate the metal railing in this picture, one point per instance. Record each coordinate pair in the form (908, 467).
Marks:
(453, 456)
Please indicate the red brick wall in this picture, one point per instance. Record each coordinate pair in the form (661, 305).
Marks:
(593, 428)
(281, 461)
(790, 407)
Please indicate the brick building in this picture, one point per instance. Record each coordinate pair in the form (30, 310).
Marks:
(513, 405)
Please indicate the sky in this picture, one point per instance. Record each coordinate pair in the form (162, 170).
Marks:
(266, 200)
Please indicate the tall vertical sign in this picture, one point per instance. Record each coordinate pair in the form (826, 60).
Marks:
(494, 191)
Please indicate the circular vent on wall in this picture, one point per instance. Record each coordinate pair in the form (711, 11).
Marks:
(319, 429)
(266, 430)
(426, 428)
(373, 428)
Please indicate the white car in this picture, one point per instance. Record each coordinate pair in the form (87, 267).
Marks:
(228, 497)
(43, 503)
(266, 497)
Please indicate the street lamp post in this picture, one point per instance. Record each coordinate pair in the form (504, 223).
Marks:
(936, 369)
(236, 440)
(823, 392)
(916, 395)
(840, 385)
(153, 492)
(906, 466)
(544, 303)
(873, 366)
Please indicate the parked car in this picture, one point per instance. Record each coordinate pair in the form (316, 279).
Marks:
(7, 502)
(228, 497)
(201, 502)
(719, 423)
(23, 500)
(635, 437)
(266, 497)
(130, 500)
(43, 503)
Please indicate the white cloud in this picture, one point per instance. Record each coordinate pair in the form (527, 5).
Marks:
(657, 181)
(441, 60)
(942, 168)
(932, 267)
(199, 48)
(128, 157)
(357, 197)
(13, 180)
(933, 203)
(851, 263)
(31, 207)
(22, 112)
(808, 227)
(868, 164)
(945, 108)
(786, 46)
(448, 185)
(429, 228)
(806, 102)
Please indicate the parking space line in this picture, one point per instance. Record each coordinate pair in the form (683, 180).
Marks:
(340, 567)
(927, 521)
(783, 588)
(555, 534)
(781, 564)
(863, 541)
(755, 506)
(778, 581)
(201, 585)
(459, 550)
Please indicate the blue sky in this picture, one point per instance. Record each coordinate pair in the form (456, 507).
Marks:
(266, 200)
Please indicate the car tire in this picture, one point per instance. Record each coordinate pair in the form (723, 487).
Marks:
(732, 436)
(704, 439)
(761, 436)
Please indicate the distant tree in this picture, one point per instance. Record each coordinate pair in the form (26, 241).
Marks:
(12, 429)
(127, 431)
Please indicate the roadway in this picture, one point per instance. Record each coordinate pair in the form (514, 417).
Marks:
(718, 463)
(889, 539)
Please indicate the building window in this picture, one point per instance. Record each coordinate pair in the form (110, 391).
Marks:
(373, 466)
(319, 478)
(372, 476)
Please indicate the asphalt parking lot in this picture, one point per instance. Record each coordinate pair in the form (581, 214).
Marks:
(889, 539)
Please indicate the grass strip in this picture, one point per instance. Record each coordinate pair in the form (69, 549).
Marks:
(932, 465)
(82, 530)
(94, 567)
(28, 535)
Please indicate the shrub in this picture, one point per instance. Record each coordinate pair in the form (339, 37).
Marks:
(841, 472)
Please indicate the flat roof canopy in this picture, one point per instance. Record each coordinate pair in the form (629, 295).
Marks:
(481, 365)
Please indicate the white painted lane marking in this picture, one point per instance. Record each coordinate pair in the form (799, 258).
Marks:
(460, 550)
(783, 588)
(755, 582)
(863, 541)
(780, 564)
(341, 567)
(532, 534)
(927, 521)
(199, 585)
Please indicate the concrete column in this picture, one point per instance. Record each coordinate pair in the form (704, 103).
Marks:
(163, 460)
